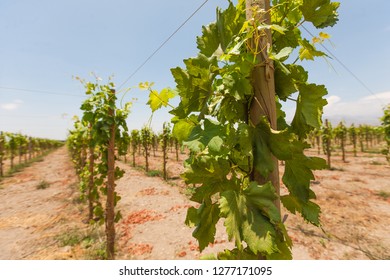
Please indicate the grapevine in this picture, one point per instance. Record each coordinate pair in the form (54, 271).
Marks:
(353, 136)
(135, 142)
(165, 139)
(341, 134)
(103, 126)
(229, 148)
(146, 141)
(12, 144)
(386, 127)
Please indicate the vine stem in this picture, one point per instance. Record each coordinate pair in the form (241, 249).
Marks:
(110, 205)
(263, 83)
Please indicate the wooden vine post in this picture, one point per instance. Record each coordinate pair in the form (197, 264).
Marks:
(146, 139)
(176, 148)
(12, 147)
(134, 143)
(91, 178)
(327, 140)
(263, 82)
(386, 129)
(1, 153)
(341, 136)
(353, 137)
(110, 204)
(165, 139)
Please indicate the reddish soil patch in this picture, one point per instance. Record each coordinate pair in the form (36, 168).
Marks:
(139, 249)
(141, 217)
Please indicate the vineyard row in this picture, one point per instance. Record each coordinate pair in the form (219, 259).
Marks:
(25, 148)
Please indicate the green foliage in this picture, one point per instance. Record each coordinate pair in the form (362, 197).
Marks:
(341, 134)
(327, 136)
(159, 99)
(42, 185)
(353, 135)
(165, 138)
(322, 13)
(16, 144)
(146, 135)
(102, 130)
(154, 173)
(92, 132)
(383, 194)
(70, 238)
(386, 129)
(212, 120)
(135, 140)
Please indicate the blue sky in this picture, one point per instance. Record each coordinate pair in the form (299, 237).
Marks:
(45, 43)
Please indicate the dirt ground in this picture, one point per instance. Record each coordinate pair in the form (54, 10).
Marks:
(42, 217)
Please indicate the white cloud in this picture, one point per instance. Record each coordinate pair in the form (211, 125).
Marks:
(333, 99)
(364, 110)
(383, 97)
(15, 104)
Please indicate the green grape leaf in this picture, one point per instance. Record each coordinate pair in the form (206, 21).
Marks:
(209, 257)
(233, 210)
(290, 38)
(205, 190)
(211, 136)
(98, 211)
(309, 210)
(206, 169)
(322, 13)
(283, 54)
(182, 129)
(309, 108)
(231, 109)
(281, 144)
(209, 42)
(263, 198)
(158, 100)
(215, 144)
(236, 254)
(313, 101)
(287, 83)
(229, 23)
(263, 161)
(145, 85)
(192, 218)
(297, 178)
(205, 219)
(246, 224)
(194, 85)
(118, 217)
(308, 51)
(281, 117)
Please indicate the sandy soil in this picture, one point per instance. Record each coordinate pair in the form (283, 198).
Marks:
(32, 216)
(48, 223)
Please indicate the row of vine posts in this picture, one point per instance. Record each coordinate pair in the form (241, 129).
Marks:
(14, 145)
(145, 140)
(365, 136)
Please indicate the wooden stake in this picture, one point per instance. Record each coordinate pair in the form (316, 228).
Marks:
(110, 205)
(263, 82)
